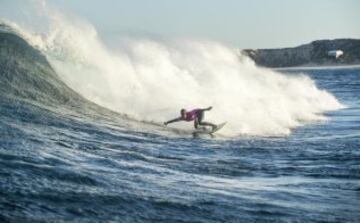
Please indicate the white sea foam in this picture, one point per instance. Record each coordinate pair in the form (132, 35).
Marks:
(151, 80)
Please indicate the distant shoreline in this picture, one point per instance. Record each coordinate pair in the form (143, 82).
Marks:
(317, 67)
(318, 53)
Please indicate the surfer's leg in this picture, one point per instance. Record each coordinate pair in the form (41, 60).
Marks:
(213, 126)
(196, 123)
(200, 119)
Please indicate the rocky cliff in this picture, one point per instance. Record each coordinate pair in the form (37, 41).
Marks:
(312, 54)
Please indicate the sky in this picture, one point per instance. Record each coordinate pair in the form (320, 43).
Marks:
(239, 23)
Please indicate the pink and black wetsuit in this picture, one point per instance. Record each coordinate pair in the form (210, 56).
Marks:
(192, 115)
(196, 115)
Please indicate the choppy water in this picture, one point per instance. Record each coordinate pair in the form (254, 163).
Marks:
(60, 162)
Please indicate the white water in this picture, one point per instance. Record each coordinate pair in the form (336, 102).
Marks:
(152, 80)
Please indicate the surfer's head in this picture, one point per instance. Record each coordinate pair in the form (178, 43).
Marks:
(183, 113)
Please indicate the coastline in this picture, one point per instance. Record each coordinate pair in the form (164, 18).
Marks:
(318, 53)
(316, 67)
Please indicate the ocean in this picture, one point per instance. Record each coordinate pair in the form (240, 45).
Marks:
(82, 143)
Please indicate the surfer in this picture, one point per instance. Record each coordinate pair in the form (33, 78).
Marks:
(196, 115)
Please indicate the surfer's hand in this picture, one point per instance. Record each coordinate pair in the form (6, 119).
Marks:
(209, 108)
(165, 123)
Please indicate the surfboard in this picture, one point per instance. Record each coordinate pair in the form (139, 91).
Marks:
(210, 131)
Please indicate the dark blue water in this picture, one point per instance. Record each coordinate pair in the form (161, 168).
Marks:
(60, 162)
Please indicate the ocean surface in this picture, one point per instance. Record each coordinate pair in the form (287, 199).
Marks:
(63, 158)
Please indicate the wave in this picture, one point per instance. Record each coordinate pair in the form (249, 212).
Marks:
(151, 80)
(26, 73)
(27, 76)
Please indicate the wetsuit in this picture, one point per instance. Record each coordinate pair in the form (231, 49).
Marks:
(193, 114)
(196, 115)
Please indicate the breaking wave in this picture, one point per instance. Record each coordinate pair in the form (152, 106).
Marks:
(151, 80)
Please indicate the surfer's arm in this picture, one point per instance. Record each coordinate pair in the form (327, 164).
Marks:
(206, 109)
(173, 120)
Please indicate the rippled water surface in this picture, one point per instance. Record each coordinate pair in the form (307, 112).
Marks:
(61, 166)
